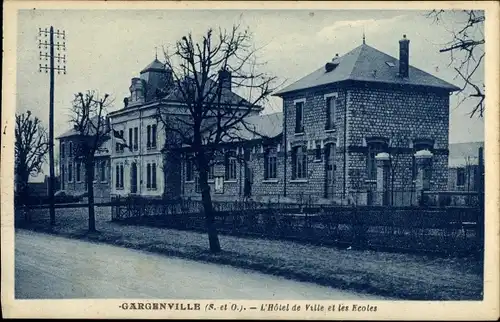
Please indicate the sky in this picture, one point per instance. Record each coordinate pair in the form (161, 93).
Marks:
(106, 48)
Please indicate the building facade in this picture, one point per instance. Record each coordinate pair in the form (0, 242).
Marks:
(72, 168)
(464, 167)
(338, 118)
(364, 128)
(144, 160)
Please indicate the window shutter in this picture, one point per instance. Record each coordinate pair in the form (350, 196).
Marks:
(148, 130)
(136, 138)
(117, 181)
(266, 165)
(153, 175)
(148, 176)
(153, 135)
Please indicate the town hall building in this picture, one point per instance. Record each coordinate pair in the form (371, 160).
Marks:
(364, 128)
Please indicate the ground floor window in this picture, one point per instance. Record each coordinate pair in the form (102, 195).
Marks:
(102, 171)
(119, 176)
(63, 177)
(375, 146)
(460, 176)
(78, 172)
(70, 172)
(96, 171)
(211, 172)
(189, 169)
(299, 163)
(151, 176)
(230, 166)
(270, 160)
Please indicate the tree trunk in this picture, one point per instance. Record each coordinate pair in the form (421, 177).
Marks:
(90, 189)
(213, 238)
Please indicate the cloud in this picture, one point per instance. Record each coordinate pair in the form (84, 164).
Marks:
(363, 24)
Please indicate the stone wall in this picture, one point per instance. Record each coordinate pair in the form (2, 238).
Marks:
(102, 188)
(401, 116)
(314, 134)
(234, 189)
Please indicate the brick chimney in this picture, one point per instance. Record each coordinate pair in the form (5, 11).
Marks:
(225, 78)
(404, 57)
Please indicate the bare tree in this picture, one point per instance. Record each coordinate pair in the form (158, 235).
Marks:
(206, 76)
(88, 119)
(30, 149)
(466, 49)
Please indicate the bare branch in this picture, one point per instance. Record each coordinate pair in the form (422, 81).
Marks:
(465, 46)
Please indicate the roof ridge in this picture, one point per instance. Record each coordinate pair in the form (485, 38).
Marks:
(361, 47)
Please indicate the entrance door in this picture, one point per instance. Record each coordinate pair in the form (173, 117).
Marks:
(330, 171)
(133, 178)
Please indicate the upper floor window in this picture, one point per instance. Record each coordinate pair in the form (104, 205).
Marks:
(270, 160)
(331, 102)
(230, 166)
(299, 117)
(375, 146)
(119, 146)
(130, 138)
(70, 152)
(299, 163)
(151, 136)
(136, 138)
(62, 150)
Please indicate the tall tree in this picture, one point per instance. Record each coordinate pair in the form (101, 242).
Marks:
(206, 75)
(88, 119)
(466, 50)
(30, 150)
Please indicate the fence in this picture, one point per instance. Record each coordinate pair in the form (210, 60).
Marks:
(435, 229)
(396, 198)
(413, 229)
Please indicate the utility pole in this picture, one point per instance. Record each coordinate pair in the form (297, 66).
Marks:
(52, 46)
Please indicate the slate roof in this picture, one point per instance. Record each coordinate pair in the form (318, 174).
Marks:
(227, 96)
(73, 132)
(359, 64)
(462, 154)
(259, 126)
(155, 65)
